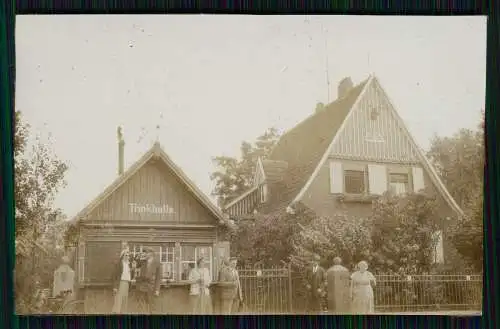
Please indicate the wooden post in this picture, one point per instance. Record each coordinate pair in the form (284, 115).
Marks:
(290, 288)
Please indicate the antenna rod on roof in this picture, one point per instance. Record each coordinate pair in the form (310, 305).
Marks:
(324, 31)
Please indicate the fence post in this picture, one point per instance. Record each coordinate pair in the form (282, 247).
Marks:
(290, 289)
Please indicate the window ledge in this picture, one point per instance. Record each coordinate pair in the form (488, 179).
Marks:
(356, 198)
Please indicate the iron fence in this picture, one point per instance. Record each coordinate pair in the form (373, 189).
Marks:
(420, 293)
(278, 290)
(266, 290)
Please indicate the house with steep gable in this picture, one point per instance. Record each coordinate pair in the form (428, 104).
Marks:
(154, 205)
(341, 157)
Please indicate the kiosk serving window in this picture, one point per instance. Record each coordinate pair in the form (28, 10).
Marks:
(176, 268)
(166, 253)
(190, 253)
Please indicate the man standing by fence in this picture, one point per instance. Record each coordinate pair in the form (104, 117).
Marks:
(238, 298)
(315, 285)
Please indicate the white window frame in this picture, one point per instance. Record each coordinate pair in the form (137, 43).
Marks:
(168, 249)
(196, 256)
(407, 183)
(364, 170)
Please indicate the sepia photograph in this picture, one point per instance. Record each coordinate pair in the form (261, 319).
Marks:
(249, 164)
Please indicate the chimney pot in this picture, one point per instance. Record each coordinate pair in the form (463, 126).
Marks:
(345, 85)
(121, 150)
(319, 107)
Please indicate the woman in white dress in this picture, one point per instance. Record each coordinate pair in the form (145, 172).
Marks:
(362, 283)
(199, 294)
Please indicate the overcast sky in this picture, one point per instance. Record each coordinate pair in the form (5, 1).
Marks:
(218, 80)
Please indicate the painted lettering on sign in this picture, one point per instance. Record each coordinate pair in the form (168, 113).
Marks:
(136, 208)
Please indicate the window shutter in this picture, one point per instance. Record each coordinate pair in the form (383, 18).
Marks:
(418, 179)
(336, 177)
(377, 176)
(81, 262)
(221, 252)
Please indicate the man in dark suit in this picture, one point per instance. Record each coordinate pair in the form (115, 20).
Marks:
(148, 281)
(315, 285)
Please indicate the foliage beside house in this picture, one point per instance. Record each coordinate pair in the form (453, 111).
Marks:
(39, 225)
(338, 163)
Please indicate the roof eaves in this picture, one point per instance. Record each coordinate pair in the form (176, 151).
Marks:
(430, 168)
(119, 181)
(334, 139)
(194, 189)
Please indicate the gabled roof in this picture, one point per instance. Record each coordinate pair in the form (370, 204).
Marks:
(155, 151)
(303, 146)
(423, 159)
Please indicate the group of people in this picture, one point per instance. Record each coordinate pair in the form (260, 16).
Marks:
(343, 292)
(147, 274)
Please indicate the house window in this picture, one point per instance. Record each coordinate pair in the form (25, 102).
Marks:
(167, 252)
(398, 183)
(166, 256)
(355, 181)
(190, 254)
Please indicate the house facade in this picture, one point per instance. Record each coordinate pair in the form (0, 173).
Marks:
(342, 157)
(154, 204)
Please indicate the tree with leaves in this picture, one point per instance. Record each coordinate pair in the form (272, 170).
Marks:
(459, 160)
(404, 234)
(39, 175)
(234, 175)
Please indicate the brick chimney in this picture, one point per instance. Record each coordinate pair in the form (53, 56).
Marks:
(121, 150)
(320, 106)
(345, 85)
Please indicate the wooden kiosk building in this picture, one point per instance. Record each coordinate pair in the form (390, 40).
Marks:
(152, 204)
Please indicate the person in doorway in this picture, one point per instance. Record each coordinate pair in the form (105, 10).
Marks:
(122, 276)
(337, 278)
(362, 283)
(315, 285)
(199, 292)
(148, 281)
